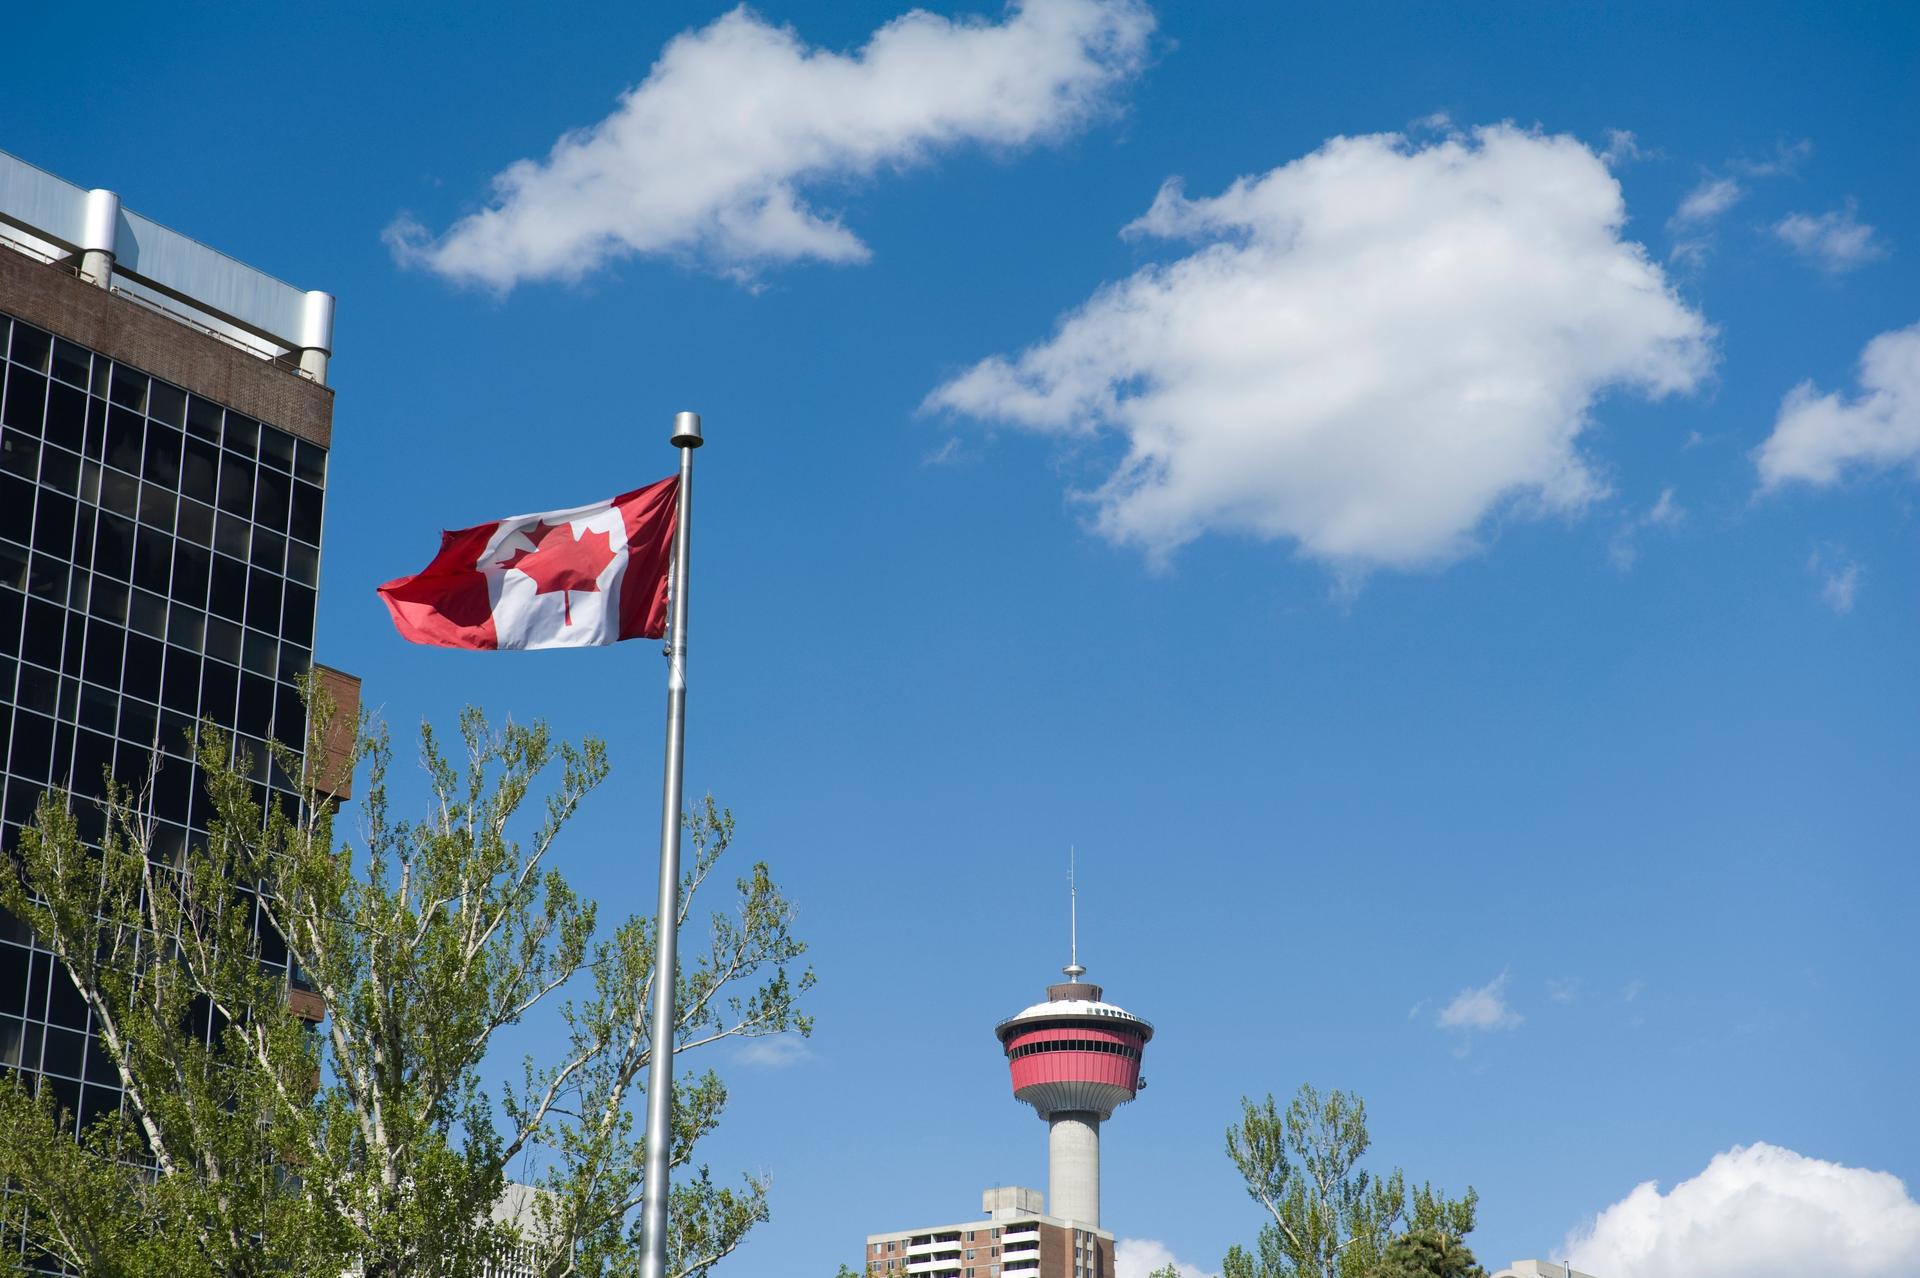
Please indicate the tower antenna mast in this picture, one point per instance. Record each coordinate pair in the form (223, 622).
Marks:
(1073, 970)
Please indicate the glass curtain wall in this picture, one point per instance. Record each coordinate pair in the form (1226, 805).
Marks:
(159, 555)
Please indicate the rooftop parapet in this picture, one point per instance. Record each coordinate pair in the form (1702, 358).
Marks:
(89, 233)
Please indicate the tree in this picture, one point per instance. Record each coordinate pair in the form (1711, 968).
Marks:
(375, 1140)
(1168, 1270)
(1430, 1253)
(1330, 1218)
(189, 1177)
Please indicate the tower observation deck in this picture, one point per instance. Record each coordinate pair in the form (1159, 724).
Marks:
(1075, 1059)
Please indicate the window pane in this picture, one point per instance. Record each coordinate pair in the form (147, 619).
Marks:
(303, 564)
(119, 493)
(53, 524)
(166, 403)
(126, 439)
(242, 435)
(129, 387)
(26, 401)
(60, 469)
(16, 508)
(236, 485)
(263, 600)
(67, 416)
(195, 522)
(228, 597)
(269, 548)
(199, 467)
(310, 462)
(20, 455)
(305, 520)
(30, 345)
(162, 464)
(276, 448)
(192, 568)
(203, 418)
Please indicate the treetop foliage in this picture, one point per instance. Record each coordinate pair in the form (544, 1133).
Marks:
(1328, 1216)
(253, 1144)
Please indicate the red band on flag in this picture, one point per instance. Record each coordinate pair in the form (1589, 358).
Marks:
(592, 575)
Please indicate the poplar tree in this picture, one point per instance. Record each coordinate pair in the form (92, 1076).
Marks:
(1329, 1218)
(372, 1142)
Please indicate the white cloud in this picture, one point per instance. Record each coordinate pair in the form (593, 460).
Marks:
(949, 453)
(1757, 1211)
(1564, 991)
(773, 1051)
(1786, 159)
(710, 153)
(1816, 436)
(1481, 1007)
(1715, 194)
(1708, 200)
(1836, 241)
(1139, 1257)
(1839, 578)
(1665, 512)
(1839, 588)
(1375, 347)
(1624, 148)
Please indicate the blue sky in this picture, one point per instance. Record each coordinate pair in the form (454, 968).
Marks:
(1604, 740)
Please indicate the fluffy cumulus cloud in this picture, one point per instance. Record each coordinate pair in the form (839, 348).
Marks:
(1140, 1257)
(1816, 437)
(710, 154)
(1371, 348)
(1837, 241)
(1758, 1211)
(1481, 1007)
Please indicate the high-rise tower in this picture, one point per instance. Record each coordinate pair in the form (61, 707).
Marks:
(1074, 1058)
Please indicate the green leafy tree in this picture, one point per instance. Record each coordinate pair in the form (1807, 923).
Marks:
(1430, 1253)
(1329, 1217)
(374, 1140)
(1169, 1270)
(190, 1177)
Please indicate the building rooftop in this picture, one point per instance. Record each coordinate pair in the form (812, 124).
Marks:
(89, 234)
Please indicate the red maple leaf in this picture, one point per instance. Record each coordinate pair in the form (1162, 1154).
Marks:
(560, 561)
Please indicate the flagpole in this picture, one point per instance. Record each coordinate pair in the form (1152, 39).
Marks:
(686, 437)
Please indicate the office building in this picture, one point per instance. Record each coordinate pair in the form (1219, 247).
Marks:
(165, 425)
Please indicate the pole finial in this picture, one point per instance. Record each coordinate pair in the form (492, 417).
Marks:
(1073, 971)
(686, 430)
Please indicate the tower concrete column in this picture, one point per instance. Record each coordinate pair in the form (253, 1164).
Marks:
(1073, 1167)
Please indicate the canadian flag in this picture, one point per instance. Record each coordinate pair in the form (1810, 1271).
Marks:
(559, 579)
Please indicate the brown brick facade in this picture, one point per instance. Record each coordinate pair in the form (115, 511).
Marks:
(53, 299)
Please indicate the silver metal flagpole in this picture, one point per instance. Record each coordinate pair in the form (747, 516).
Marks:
(666, 966)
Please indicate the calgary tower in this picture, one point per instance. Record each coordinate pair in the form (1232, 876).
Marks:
(1074, 1059)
